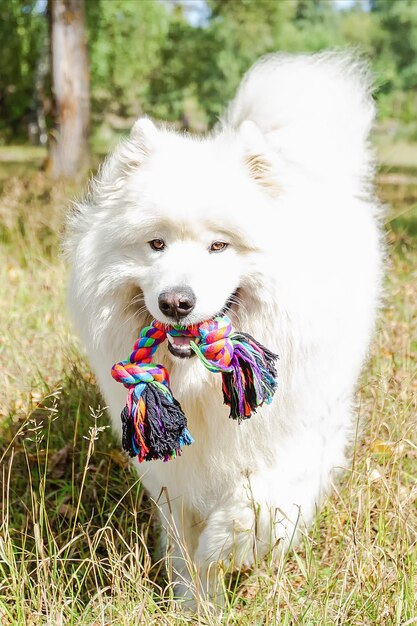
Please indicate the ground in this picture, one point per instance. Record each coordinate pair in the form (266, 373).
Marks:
(77, 536)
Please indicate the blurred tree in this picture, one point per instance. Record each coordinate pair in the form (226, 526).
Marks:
(206, 62)
(160, 58)
(187, 71)
(398, 20)
(362, 30)
(69, 143)
(22, 35)
(125, 38)
(249, 29)
(310, 9)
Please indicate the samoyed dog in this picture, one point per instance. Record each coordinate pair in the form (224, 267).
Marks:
(271, 217)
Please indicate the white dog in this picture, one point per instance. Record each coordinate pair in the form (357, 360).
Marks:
(271, 215)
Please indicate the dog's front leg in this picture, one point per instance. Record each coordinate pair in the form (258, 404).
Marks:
(238, 531)
(257, 519)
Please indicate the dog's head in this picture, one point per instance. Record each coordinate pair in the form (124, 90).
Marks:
(182, 225)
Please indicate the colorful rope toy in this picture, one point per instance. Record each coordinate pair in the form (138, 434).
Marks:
(154, 425)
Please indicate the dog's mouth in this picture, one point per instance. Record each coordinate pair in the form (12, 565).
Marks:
(180, 346)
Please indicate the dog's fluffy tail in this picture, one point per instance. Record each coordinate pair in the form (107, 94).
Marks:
(315, 111)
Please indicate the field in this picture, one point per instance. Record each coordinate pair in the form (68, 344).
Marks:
(77, 534)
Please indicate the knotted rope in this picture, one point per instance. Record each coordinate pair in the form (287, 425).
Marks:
(154, 425)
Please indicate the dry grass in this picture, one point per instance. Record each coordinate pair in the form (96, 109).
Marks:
(76, 531)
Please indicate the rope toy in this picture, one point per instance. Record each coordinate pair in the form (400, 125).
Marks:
(154, 425)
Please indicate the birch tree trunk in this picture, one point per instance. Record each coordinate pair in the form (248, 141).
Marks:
(69, 153)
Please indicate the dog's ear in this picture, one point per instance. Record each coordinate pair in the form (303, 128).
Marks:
(128, 155)
(257, 157)
(139, 146)
(144, 135)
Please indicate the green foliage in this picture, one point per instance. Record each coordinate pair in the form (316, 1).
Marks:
(207, 62)
(399, 21)
(148, 56)
(22, 36)
(177, 76)
(125, 40)
(245, 31)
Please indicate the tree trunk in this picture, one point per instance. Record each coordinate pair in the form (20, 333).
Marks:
(69, 144)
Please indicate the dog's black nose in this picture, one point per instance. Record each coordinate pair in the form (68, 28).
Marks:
(177, 302)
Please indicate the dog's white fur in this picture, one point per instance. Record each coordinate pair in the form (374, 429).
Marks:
(285, 180)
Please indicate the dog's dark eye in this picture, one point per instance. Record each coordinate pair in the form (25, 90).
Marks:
(218, 246)
(157, 244)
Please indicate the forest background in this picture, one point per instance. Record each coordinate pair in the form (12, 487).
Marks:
(182, 60)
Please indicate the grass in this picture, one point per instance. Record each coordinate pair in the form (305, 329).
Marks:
(77, 536)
